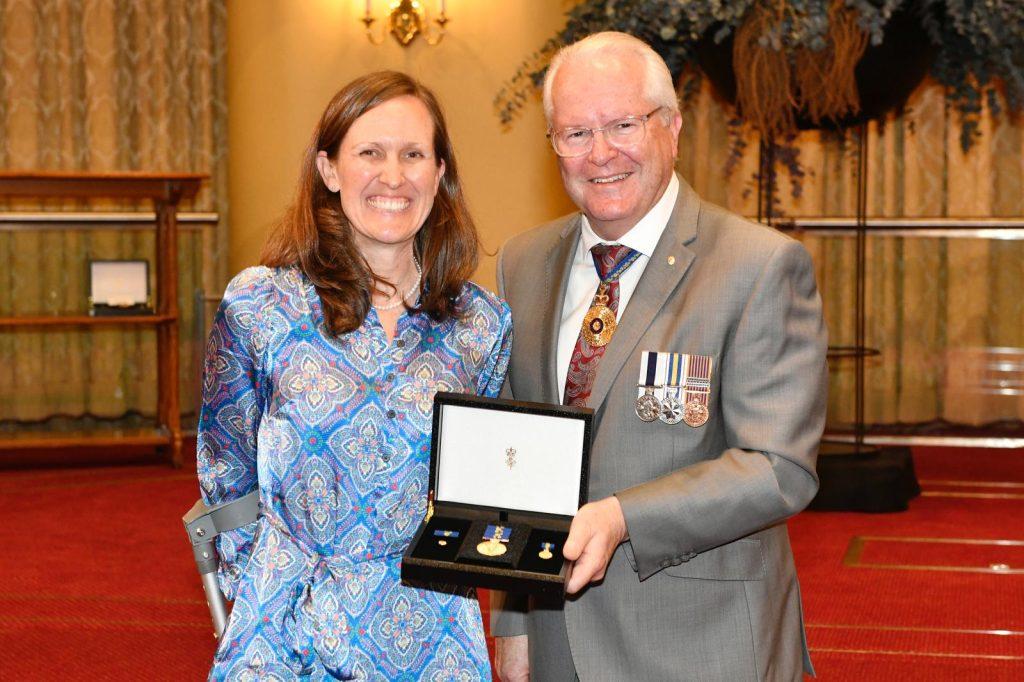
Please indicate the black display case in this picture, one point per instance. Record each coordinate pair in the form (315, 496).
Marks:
(506, 479)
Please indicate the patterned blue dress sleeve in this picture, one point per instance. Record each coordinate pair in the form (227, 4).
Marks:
(230, 415)
(493, 376)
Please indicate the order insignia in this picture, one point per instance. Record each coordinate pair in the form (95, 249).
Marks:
(495, 538)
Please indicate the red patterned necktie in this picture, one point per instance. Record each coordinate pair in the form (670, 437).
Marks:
(585, 357)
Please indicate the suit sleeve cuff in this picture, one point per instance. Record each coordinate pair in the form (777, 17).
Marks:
(647, 549)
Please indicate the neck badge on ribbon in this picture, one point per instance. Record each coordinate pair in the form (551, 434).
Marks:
(599, 323)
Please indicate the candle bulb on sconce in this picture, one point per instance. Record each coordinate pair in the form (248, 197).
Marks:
(405, 20)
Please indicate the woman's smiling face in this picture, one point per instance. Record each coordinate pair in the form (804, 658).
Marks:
(386, 172)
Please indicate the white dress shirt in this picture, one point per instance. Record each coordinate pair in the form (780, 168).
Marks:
(583, 279)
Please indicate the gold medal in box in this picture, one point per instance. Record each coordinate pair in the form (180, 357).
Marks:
(495, 539)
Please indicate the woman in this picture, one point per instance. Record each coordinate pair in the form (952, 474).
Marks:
(320, 375)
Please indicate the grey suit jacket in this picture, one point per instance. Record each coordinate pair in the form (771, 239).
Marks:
(705, 587)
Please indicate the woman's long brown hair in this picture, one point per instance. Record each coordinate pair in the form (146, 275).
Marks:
(316, 235)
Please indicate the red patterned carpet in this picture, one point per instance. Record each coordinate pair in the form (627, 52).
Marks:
(98, 581)
(911, 607)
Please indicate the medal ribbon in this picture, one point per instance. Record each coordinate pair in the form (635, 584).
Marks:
(446, 533)
(650, 369)
(499, 533)
(619, 268)
(698, 378)
(675, 367)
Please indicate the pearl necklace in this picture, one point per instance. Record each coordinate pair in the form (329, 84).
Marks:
(412, 289)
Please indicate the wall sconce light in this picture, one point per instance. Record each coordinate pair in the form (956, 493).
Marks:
(405, 20)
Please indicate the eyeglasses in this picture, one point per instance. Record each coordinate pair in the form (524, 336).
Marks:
(622, 132)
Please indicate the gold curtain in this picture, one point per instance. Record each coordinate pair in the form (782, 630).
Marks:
(104, 85)
(933, 304)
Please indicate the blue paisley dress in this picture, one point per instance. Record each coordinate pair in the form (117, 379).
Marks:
(335, 433)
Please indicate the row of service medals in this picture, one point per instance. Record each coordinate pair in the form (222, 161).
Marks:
(674, 387)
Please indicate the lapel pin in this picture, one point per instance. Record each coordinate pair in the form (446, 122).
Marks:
(671, 260)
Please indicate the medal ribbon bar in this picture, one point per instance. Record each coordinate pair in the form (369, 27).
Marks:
(498, 533)
(674, 371)
(648, 406)
(698, 378)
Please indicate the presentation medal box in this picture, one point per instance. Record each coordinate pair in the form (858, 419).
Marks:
(119, 287)
(506, 479)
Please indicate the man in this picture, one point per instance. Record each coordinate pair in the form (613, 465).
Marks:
(701, 348)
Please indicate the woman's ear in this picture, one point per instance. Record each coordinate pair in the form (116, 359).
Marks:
(328, 173)
(440, 174)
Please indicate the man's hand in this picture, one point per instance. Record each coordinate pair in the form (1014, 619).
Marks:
(512, 658)
(597, 529)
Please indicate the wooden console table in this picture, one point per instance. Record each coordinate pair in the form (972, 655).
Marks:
(166, 190)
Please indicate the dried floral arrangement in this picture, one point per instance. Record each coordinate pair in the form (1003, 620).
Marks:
(795, 62)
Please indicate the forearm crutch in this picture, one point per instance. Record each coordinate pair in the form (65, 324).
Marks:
(203, 524)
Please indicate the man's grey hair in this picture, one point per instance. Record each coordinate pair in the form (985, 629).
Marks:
(658, 86)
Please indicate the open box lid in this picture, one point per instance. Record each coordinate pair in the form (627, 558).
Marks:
(119, 282)
(509, 455)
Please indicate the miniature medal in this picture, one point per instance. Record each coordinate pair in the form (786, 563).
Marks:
(672, 410)
(647, 406)
(599, 322)
(697, 385)
(696, 414)
(545, 550)
(672, 407)
(443, 534)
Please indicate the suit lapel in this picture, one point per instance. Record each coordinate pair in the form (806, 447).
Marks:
(557, 269)
(655, 286)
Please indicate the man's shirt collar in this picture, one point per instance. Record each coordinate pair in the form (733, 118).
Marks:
(643, 236)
